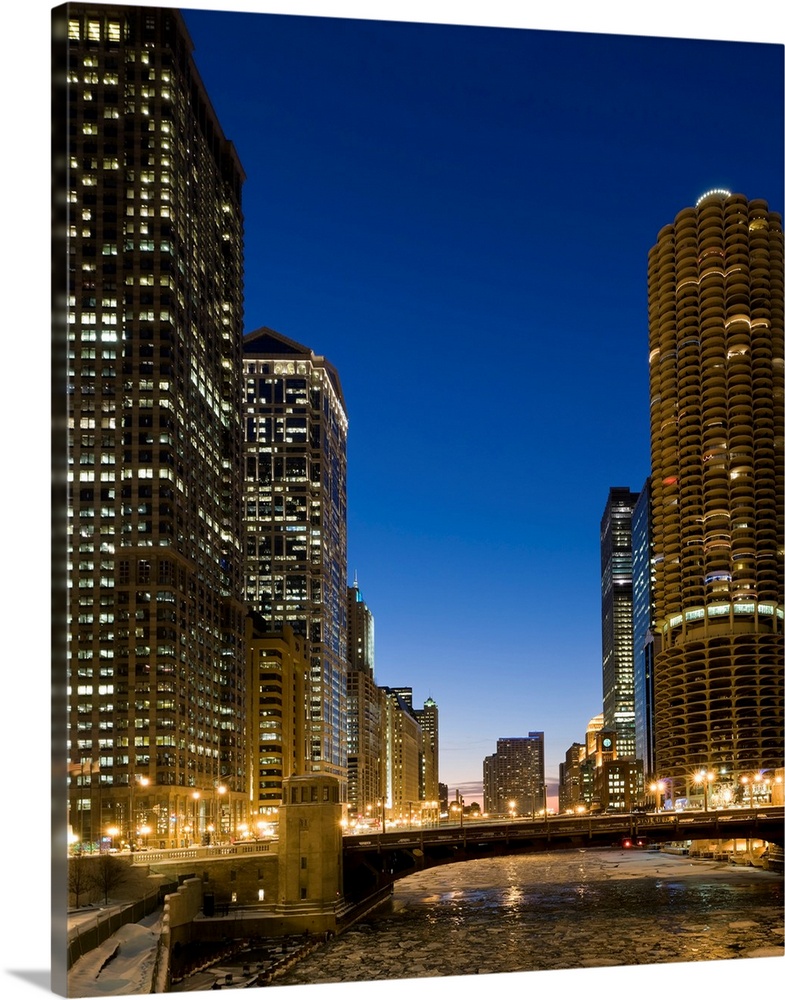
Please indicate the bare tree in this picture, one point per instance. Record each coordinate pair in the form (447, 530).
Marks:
(80, 877)
(109, 873)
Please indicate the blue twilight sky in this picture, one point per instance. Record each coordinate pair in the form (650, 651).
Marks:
(459, 218)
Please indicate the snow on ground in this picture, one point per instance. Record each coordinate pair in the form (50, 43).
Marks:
(122, 965)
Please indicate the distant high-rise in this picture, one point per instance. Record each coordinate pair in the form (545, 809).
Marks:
(428, 717)
(715, 284)
(570, 783)
(294, 504)
(514, 777)
(402, 739)
(618, 685)
(153, 264)
(645, 640)
(363, 712)
(360, 632)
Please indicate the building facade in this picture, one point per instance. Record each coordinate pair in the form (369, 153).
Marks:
(153, 269)
(294, 505)
(276, 713)
(364, 712)
(715, 286)
(402, 757)
(514, 777)
(428, 717)
(618, 685)
(644, 636)
(571, 792)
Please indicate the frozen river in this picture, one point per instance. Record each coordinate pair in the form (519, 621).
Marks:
(564, 910)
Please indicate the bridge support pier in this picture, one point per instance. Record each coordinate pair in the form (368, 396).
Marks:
(310, 850)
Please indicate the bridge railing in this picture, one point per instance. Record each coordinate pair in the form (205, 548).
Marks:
(146, 857)
(553, 826)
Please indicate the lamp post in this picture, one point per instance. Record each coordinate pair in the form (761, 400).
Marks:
(703, 779)
(144, 782)
(218, 809)
(511, 806)
(458, 806)
(196, 796)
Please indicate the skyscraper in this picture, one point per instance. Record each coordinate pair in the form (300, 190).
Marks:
(618, 687)
(715, 283)
(402, 756)
(363, 711)
(153, 266)
(645, 640)
(294, 503)
(428, 717)
(514, 777)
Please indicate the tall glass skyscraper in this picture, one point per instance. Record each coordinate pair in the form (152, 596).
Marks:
(152, 270)
(294, 505)
(643, 634)
(618, 684)
(716, 379)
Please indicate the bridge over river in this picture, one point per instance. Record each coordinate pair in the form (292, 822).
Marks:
(373, 862)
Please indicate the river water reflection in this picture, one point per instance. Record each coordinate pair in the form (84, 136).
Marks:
(563, 910)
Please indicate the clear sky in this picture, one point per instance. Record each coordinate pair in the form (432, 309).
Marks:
(617, 177)
(459, 218)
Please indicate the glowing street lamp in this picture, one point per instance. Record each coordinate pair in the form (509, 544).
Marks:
(218, 809)
(143, 782)
(704, 779)
(512, 805)
(657, 788)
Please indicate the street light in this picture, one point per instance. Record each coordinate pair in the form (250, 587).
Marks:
(704, 778)
(196, 796)
(144, 782)
(457, 805)
(219, 810)
(512, 804)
